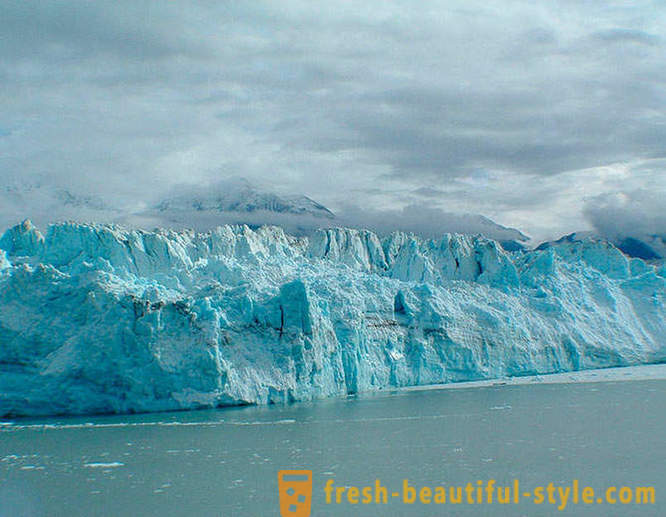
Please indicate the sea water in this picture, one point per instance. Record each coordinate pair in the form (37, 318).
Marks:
(589, 427)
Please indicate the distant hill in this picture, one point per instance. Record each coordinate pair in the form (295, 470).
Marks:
(239, 195)
(649, 247)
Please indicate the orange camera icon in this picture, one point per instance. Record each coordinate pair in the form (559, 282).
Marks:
(295, 488)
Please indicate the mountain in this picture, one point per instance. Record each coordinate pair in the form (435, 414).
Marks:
(569, 238)
(237, 201)
(102, 319)
(239, 195)
(647, 247)
(430, 222)
(44, 203)
(200, 207)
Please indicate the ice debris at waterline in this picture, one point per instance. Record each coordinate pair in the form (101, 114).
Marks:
(97, 318)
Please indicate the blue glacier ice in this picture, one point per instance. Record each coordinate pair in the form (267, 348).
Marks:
(98, 318)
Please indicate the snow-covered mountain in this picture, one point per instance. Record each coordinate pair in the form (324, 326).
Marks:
(239, 195)
(45, 203)
(97, 318)
(647, 247)
(235, 201)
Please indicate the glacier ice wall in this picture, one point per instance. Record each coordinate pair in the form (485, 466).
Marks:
(97, 318)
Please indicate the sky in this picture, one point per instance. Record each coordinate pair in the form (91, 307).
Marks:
(545, 116)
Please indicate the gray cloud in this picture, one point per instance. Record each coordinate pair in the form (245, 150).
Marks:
(511, 110)
(635, 213)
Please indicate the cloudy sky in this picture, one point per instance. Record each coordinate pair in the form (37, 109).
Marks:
(550, 117)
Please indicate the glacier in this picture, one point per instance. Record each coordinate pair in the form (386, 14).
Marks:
(104, 319)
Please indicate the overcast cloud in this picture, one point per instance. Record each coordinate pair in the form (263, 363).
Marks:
(537, 115)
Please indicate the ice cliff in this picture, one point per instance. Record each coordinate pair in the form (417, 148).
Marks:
(97, 318)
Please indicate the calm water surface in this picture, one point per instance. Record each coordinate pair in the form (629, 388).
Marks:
(225, 462)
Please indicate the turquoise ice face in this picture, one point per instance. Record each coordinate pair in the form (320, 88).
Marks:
(98, 318)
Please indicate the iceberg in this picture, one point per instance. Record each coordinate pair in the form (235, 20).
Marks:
(105, 319)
